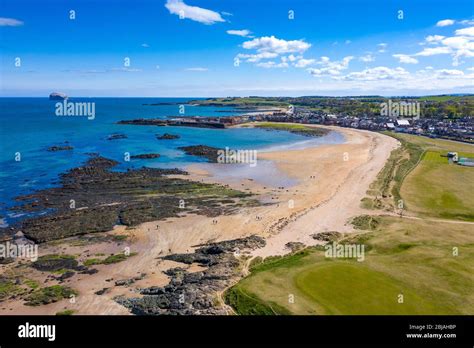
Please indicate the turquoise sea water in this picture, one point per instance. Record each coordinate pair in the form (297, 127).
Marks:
(29, 126)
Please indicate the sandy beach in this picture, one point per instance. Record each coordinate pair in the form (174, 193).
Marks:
(325, 186)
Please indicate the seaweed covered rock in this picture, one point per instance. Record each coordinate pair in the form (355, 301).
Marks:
(94, 198)
(167, 136)
(146, 156)
(209, 152)
(53, 263)
(194, 293)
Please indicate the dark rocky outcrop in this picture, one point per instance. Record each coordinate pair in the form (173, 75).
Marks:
(102, 291)
(93, 198)
(209, 152)
(327, 236)
(60, 148)
(295, 246)
(144, 122)
(129, 281)
(117, 136)
(57, 96)
(194, 293)
(52, 263)
(146, 156)
(65, 275)
(167, 136)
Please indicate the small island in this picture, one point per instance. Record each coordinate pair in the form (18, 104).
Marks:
(57, 96)
(117, 136)
(146, 156)
(209, 152)
(60, 148)
(167, 136)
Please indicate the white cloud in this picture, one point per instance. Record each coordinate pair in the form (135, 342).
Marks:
(275, 45)
(367, 58)
(197, 69)
(434, 38)
(254, 58)
(331, 68)
(405, 59)
(272, 64)
(448, 73)
(381, 80)
(198, 14)
(270, 47)
(303, 63)
(243, 32)
(375, 74)
(292, 58)
(456, 42)
(465, 31)
(382, 47)
(432, 51)
(467, 22)
(459, 46)
(10, 22)
(145, 45)
(445, 23)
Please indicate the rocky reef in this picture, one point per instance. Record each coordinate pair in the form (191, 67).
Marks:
(145, 122)
(209, 152)
(167, 136)
(93, 198)
(195, 293)
(60, 148)
(329, 236)
(146, 156)
(117, 136)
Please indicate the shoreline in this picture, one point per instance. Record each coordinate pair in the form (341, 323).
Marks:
(335, 187)
(325, 182)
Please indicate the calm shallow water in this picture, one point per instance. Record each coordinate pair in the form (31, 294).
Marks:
(29, 126)
(265, 173)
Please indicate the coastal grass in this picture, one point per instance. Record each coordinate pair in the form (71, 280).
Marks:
(115, 258)
(15, 284)
(418, 175)
(400, 163)
(365, 222)
(293, 128)
(249, 304)
(66, 312)
(241, 102)
(408, 257)
(8, 288)
(436, 188)
(32, 284)
(49, 294)
(430, 264)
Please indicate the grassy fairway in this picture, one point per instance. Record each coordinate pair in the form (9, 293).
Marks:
(410, 257)
(439, 189)
(424, 180)
(429, 262)
(359, 290)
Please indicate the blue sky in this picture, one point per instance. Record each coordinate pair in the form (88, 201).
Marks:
(236, 47)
